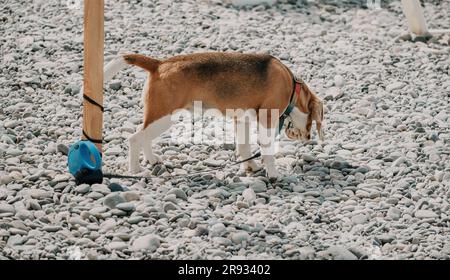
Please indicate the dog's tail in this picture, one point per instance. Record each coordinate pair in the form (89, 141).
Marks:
(123, 61)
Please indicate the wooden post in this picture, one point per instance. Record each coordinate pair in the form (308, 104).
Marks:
(414, 15)
(93, 68)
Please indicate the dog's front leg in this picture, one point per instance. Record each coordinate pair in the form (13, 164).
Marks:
(242, 130)
(244, 151)
(269, 163)
(266, 139)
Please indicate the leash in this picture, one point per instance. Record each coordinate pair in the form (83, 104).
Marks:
(295, 95)
(112, 175)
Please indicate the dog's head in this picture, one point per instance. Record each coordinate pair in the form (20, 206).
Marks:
(309, 108)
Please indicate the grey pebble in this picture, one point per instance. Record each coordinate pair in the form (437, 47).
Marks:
(126, 206)
(83, 188)
(258, 186)
(239, 237)
(148, 242)
(111, 200)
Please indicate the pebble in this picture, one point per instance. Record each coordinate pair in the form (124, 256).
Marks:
(239, 237)
(148, 200)
(178, 193)
(107, 225)
(333, 93)
(394, 213)
(148, 242)
(308, 157)
(338, 81)
(63, 149)
(14, 152)
(213, 163)
(298, 188)
(100, 188)
(77, 221)
(394, 86)
(15, 240)
(51, 228)
(222, 241)
(6, 179)
(6, 208)
(168, 206)
(126, 206)
(340, 253)
(425, 214)
(117, 245)
(114, 187)
(24, 215)
(131, 196)
(359, 219)
(39, 194)
(398, 161)
(115, 85)
(135, 219)
(217, 229)
(98, 210)
(385, 238)
(111, 200)
(82, 189)
(258, 186)
(249, 195)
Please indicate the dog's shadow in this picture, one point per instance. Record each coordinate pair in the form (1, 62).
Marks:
(318, 180)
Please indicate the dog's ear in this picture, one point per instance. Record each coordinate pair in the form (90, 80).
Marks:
(305, 99)
(317, 116)
(315, 107)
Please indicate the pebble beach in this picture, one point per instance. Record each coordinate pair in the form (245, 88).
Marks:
(378, 187)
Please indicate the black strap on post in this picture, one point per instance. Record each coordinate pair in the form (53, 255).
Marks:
(92, 139)
(93, 102)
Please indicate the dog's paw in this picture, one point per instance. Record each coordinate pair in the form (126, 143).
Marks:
(272, 174)
(252, 166)
(135, 168)
(153, 159)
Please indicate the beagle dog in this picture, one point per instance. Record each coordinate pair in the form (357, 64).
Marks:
(222, 81)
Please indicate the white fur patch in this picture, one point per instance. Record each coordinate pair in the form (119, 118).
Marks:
(114, 67)
(143, 140)
(299, 119)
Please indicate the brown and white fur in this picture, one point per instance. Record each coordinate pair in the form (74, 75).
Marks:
(222, 81)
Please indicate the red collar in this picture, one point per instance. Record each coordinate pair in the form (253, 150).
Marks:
(297, 88)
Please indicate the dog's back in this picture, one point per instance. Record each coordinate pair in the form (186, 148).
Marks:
(232, 78)
(210, 65)
(221, 80)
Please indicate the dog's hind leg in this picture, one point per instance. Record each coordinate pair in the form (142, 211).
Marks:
(152, 131)
(157, 119)
(143, 140)
(136, 142)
